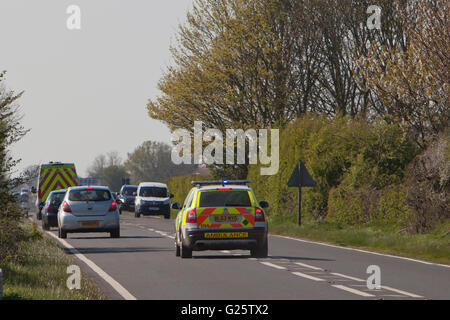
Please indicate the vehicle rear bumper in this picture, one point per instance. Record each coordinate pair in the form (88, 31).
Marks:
(197, 240)
(71, 223)
(51, 219)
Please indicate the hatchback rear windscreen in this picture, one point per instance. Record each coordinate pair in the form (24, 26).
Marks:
(153, 192)
(90, 195)
(219, 198)
(57, 197)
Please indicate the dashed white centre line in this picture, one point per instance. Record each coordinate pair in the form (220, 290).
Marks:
(358, 292)
(307, 276)
(273, 265)
(347, 277)
(409, 294)
(308, 266)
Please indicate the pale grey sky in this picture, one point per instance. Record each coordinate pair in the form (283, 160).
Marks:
(86, 90)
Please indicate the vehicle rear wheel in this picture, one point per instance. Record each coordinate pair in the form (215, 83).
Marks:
(62, 234)
(261, 251)
(45, 225)
(115, 234)
(167, 216)
(137, 214)
(185, 252)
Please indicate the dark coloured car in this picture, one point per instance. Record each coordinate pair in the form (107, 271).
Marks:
(50, 209)
(126, 197)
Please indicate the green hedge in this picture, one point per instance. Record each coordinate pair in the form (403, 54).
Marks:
(348, 159)
(180, 186)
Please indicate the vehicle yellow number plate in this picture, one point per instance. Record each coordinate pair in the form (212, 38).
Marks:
(225, 235)
(226, 218)
(90, 223)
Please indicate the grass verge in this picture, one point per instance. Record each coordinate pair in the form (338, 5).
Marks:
(434, 247)
(39, 272)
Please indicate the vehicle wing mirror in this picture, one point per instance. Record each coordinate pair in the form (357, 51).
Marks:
(172, 196)
(176, 206)
(264, 204)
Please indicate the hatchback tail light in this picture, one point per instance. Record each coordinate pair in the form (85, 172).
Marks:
(49, 209)
(66, 207)
(191, 216)
(113, 207)
(259, 215)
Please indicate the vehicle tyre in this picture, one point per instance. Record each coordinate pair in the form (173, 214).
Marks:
(62, 234)
(39, 216)
(185, 252)
(167, 216)
(45, 226)
(261, 251)
(115, 234)
(137, 214)
(177, 249)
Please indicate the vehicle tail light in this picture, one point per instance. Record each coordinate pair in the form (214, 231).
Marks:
(113, 207)
(49, 209)
(66, 207)
(259, 215)
(191, 216)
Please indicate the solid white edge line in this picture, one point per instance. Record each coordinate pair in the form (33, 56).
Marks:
(273, 265)
(358, 292)
(113, 283)
(307, 276)
(364, 251)
(412, 295)
(308, 266)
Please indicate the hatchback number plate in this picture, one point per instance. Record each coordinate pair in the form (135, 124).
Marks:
(90, 223)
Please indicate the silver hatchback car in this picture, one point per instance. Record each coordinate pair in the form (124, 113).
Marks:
(88, 209)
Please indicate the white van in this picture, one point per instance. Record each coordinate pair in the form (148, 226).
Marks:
(152, 199)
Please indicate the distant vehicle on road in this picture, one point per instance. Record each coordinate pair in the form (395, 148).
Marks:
(221, 215)
(153, 198)
(50, 209)
(126, 197)
(88, 209)
(54, 176)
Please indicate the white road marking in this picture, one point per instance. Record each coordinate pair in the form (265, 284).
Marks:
(307, 276)
(409, 294)
(358, 292)
(113, 283)
(273, 265)
(364, 251)
(308, 266)
(347, 277)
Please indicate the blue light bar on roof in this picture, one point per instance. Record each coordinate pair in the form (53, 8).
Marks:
(222, 182)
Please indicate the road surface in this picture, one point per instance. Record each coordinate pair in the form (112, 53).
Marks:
(142, 265)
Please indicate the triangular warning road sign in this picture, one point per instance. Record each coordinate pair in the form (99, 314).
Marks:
(301, 177)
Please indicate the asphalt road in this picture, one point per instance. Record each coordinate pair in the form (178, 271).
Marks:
(142, 263)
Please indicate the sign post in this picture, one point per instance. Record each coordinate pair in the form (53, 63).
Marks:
(300, 178)
(1, 284)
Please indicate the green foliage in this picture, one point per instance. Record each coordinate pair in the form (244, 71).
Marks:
(349, 160)
(180, 186)
(10, 131)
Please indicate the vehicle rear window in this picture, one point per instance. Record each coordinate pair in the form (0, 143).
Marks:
(128, 191)
(90, 195)
(153, 192)
(57, 197)
(229, 198)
